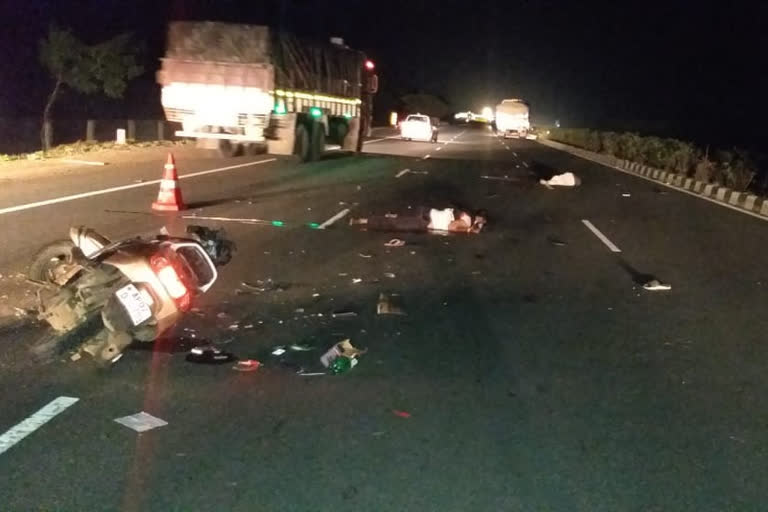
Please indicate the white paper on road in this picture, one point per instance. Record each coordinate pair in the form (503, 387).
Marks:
(34, 422)
(141, 421)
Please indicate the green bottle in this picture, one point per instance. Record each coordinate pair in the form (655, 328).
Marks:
(342, 364)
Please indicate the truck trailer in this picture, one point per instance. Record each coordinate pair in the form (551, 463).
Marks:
(251, 89)
(512, 118)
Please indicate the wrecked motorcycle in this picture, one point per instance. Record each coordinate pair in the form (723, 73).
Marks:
(112, 293)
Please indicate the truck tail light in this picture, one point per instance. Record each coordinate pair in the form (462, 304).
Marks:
(171, 281)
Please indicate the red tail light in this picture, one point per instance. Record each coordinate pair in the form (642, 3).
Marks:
(170, 280)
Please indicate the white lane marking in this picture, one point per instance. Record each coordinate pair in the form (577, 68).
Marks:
(402, 173)
(426, 156)
(601, 236)
(333, 219)
(514, 153)
(525, 164)
(34, 422)
(92, 193)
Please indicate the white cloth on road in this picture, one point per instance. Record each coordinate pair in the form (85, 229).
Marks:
(440, 219)
(567, 179)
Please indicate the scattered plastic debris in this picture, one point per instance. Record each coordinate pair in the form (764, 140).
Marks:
(395, 242)
(402, 173)
(626, 194)
(343, 314)
(141, 421)
(265, 285)
(209, 354)
(365, 255)
(356, 280)
(343, 274)
(247, 365)
(402, 414)
(234, 327)
(500, 178)
(278, 351)
(390, 275)
(387, 305)
(301, 348)
(75, 357)
(222, 315)
(556, 241)
(299, 310)
(341, 357)
(656, 285)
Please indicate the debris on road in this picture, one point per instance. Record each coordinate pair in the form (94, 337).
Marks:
(278, 351)
(390, 275)
(75, 357)
(265, 285)
(626, 194)
(656, 285)
(402, 173)
(141, 422)
(341, 357)
(401, 414)
(343, 314)
(356, 280)
(566, 179)
(247, 365)
(365, 255)
(389, 305)
(500, 178)
(301, 348)
(395, 242)
(209, 354)
(556, 241)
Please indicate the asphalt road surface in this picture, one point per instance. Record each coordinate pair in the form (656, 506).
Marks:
(532, 371)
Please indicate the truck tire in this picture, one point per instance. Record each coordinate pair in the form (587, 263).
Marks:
(46, 261)
(302, 149)
(229, 149)
(318, 142)
(253, 149)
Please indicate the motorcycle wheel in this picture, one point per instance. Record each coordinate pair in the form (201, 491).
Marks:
(50, 259)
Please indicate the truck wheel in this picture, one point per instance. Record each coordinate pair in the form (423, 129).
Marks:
(252, 149)
(302, 143)
(318, 142)
(51, 261)
(229, 149)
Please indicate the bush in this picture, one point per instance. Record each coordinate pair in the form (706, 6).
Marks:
(736, 169)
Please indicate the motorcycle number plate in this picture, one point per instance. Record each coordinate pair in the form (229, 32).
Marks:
(131, 299)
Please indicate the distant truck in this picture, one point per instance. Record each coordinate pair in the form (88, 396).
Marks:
(512, 118)
(249, 89)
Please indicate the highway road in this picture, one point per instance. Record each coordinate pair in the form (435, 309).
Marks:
(532, 371)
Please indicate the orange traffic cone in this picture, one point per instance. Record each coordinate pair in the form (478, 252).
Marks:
(169, 197)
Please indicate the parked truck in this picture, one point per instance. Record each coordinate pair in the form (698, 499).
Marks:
(249, 89)
(512, 118)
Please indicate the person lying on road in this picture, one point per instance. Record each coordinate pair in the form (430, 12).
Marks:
(426, 219)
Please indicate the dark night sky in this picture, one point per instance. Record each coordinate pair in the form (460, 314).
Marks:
(689, 69)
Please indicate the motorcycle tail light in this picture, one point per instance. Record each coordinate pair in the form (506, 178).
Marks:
(170, 280)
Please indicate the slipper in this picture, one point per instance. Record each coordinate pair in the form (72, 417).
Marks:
(656, 285)
(395, 242)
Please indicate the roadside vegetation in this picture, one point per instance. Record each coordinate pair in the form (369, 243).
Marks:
(736, 168)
